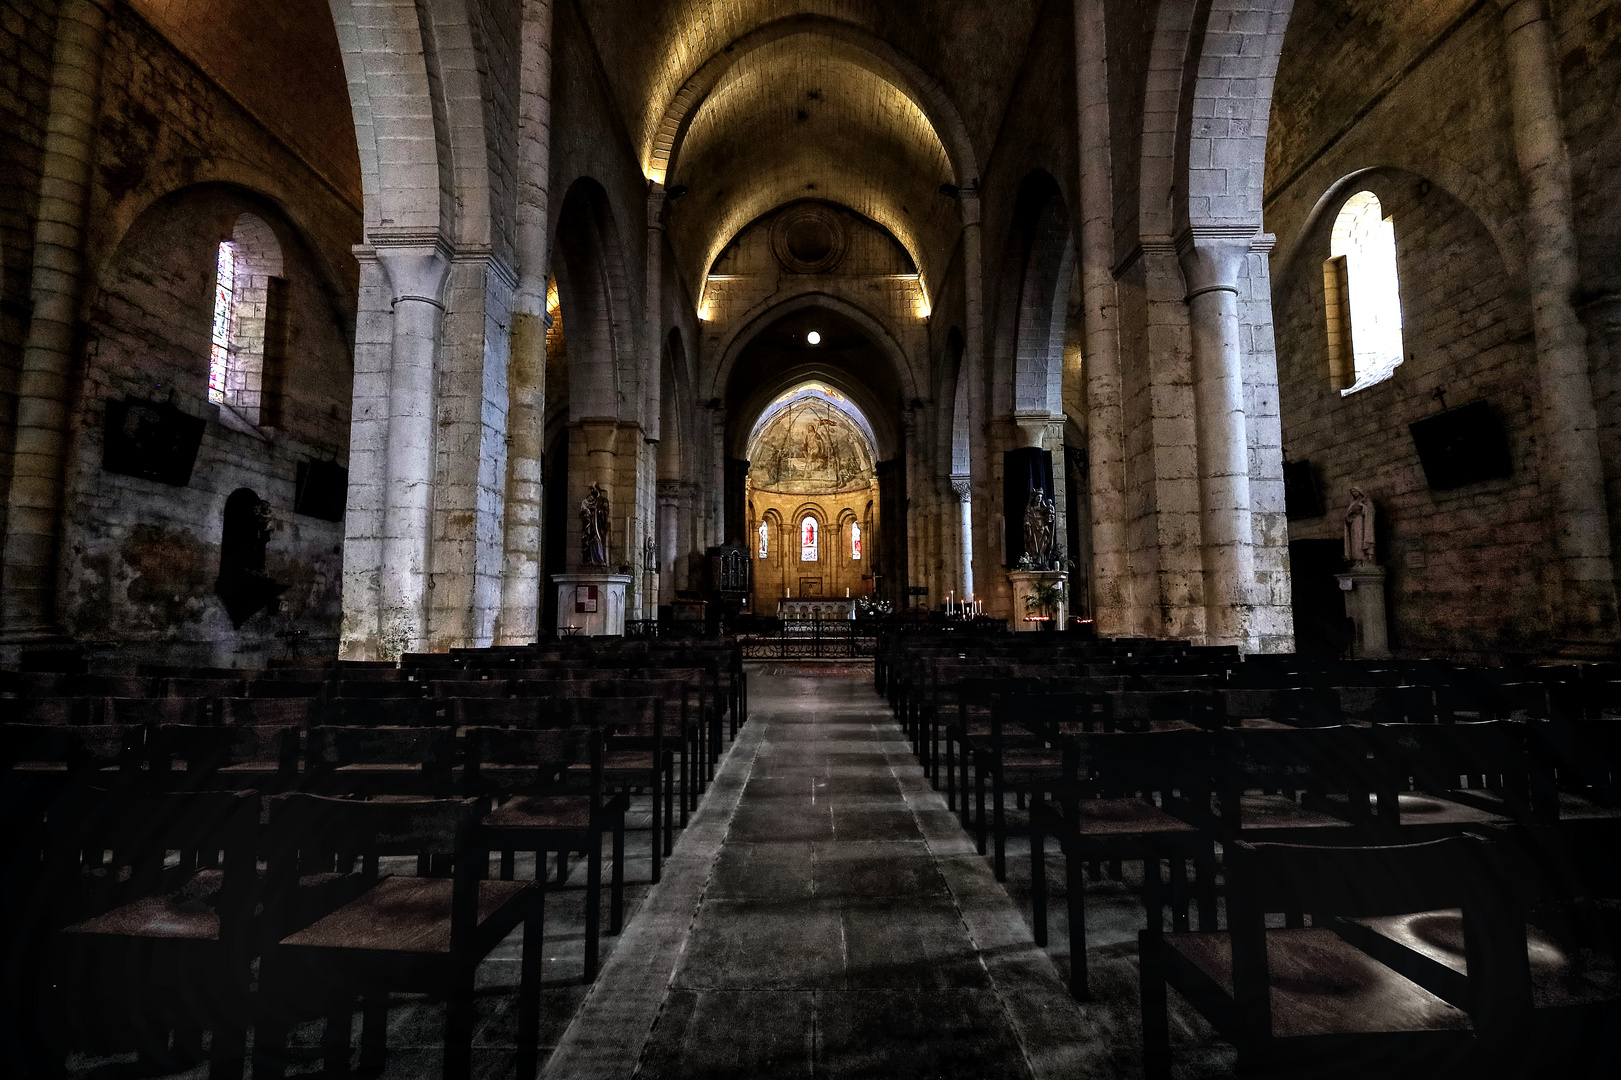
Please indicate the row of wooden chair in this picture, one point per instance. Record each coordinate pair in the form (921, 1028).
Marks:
(341, 792)
(1282, 792)
(150, 910)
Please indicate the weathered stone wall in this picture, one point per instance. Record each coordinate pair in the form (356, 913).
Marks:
(178, 163)
(1465, 566)
(1415, 92)
(26, 30)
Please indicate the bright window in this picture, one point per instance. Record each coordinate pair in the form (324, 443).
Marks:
(765, 540)
(219, 353)
(1364, 296)
(855, 541)
(807, 540)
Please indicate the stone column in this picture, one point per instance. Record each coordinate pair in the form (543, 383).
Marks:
(1570, 458)
(600, 437)
(981, 472)
(1110, 570)
(416, 276)
(963, 489)
(1212, 260)
(652, 376)
(44, 396)
(522, 533)
(670, 520)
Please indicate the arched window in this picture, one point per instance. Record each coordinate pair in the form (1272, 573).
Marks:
(855, 542)
(765, 540)
(808, 540)
(248, 344)
(1364, 301)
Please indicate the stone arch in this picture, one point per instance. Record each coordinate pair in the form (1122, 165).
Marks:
(1039, 260)
(1209, 101)
(1459, 187)
(770, 310)
(414, 69)
(886, 61)
(675, 443)
(951, 403)
(594, 292)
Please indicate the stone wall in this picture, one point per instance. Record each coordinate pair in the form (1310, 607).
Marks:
(179, 161)
(1415, 93)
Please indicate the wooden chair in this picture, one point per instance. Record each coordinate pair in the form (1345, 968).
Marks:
(156, 943)
(376, 712)
(1573, 951)
(233, 758)
(1104, 810)
(1303, 997)
(373, 761)
(418, 934)
(1291, 785)
(547, 805)
(1441, 779)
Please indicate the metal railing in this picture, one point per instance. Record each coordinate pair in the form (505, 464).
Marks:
(813, 639)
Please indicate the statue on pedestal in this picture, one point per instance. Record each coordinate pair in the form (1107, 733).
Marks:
(594, 527)
(1040, 529)
(1359, 544)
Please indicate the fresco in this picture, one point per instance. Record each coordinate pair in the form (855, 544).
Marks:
(809, 445)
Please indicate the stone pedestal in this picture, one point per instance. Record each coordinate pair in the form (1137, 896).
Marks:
(1024, 583)
(1364, 588)
(579, 594)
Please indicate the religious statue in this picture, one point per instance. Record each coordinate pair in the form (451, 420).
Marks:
(594, 527)
(1040, 528)
(1359, 548)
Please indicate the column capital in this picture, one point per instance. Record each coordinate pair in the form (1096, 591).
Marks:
(600, 435)
(416, 264)
(1212, 256)
(961, 486)
(968, 206)
(656, 200)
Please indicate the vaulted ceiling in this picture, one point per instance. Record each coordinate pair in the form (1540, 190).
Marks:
(753, 103)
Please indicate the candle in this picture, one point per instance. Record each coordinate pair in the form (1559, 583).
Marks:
(847, 592)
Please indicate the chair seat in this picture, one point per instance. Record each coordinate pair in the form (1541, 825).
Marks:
(1260, 812)
(1560, 976)
(542, 812)
(1126, 816)
(1419, 809)
(187, 913)
(1323, 986)
(403, 914)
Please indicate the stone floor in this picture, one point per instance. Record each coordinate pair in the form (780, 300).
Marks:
(824, 915)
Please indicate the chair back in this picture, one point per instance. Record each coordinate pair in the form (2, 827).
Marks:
(1352, 882)
(432, 750)
(106, 847)
(510, 761)
(1441, 757)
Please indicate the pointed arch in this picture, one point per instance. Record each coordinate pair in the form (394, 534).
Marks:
(594, 292)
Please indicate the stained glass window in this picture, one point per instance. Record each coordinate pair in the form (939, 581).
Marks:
(219, 353)
(807, 540)
(765, 540)
(855, 541)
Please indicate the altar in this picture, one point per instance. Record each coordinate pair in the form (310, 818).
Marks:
(816, 607)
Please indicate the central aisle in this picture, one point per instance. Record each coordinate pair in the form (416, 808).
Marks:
(825, 915)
